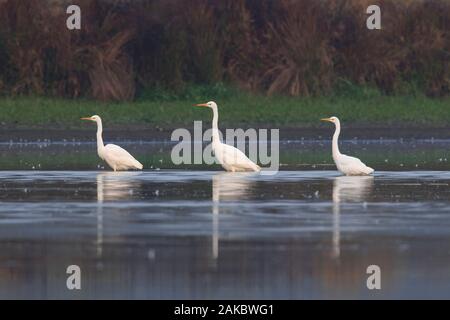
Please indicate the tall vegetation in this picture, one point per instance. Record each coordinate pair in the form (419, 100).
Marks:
(290, 47)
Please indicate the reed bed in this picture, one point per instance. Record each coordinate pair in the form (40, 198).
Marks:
(284, 47)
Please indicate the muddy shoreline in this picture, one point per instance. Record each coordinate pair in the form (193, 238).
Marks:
(164, 134)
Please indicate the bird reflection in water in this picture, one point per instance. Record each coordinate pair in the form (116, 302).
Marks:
(227, 186)
(113, 186)
(347, 189)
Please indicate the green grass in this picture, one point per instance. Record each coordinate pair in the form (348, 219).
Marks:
(158, 108)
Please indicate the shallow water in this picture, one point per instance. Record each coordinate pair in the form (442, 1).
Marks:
(382, 154)
(210, 234)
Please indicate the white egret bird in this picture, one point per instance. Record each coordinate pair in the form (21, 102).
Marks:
(231, 158)
(349, 166)
(116, 157)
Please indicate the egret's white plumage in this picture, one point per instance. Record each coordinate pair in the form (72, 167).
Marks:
(116, 157)
(231, 158)
(349, 166)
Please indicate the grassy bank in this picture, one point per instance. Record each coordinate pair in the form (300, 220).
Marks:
(358, 107)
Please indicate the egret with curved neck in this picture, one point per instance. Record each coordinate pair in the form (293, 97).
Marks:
(349, 166)
(116, 157)
(231, 158)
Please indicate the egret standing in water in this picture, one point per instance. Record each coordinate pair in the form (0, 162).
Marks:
(349, 166)
(116, 157)
(231, 158)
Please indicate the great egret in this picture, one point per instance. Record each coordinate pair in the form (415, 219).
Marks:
(231, 158)
(349, 166)
(116, 157)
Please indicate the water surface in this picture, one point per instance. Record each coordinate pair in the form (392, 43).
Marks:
(214, 235)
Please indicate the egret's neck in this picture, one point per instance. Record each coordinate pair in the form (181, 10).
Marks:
(215, 126)
(335, 147)
(100, 144)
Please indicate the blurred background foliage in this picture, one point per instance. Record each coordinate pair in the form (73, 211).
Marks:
(159, 48)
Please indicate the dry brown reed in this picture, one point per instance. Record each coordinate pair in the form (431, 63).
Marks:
(290, 47)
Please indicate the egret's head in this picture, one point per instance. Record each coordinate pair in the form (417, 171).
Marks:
(331, 119)
(210, 104)
(93, 118)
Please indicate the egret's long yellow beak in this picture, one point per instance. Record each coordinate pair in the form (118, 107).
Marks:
(89, 118)
(201, 105)
(326, 119)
